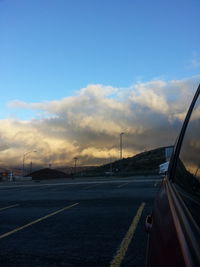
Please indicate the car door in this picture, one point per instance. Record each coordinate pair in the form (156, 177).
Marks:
(174, 238)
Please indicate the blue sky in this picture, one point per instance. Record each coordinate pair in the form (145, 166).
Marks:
(49, 49)
(138, 60)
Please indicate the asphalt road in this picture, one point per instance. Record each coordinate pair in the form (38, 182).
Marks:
(94, 222)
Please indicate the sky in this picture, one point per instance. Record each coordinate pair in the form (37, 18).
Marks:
(74, 74)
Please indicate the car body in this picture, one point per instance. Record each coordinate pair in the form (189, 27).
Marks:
(174, 225)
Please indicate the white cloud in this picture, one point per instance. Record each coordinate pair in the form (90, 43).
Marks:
(88, 124)
(150, 95)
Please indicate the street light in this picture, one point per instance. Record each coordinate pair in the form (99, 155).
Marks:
(120, 144)
(75, 160)
(110, 164)
(25, 154)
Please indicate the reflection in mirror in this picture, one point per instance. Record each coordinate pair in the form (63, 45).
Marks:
(187, 172)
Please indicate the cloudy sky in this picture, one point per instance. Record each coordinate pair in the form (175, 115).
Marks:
(75, 74)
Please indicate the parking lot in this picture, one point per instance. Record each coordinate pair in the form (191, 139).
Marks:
(93, 222)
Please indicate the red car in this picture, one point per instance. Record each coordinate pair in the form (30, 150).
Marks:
(174, 226)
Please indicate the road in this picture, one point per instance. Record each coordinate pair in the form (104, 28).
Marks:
(93, 222)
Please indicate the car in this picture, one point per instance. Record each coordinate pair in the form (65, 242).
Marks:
(163, 168)
(174, 226)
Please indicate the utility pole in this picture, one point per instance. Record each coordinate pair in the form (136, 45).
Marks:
(120, 144)
(24, 156)
(75, 160)
(31, 166)
(110, 166)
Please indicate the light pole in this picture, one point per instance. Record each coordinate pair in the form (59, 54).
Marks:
(25, 154)
(31, 166)
(120, 144)
(110, 164)
(75, 160)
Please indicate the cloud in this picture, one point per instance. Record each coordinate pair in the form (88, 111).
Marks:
(150, 95)
(87, 125)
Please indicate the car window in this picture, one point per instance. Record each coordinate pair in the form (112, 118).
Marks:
(187, 173)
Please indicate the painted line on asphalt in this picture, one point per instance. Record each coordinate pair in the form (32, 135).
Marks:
(121, 252)
(9, 207)
(124, 184)
(91, 186)
(36, 221)
(80, 183)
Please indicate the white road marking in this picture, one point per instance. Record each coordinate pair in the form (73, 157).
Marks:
(9, 207)
(36, 221)
(124, 184)
(91, 186)
(80, 183)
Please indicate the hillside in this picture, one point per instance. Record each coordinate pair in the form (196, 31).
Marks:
(48, 173)
(144, 163)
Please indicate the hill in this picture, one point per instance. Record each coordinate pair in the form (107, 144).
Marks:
(48, 173)
(144, 163)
